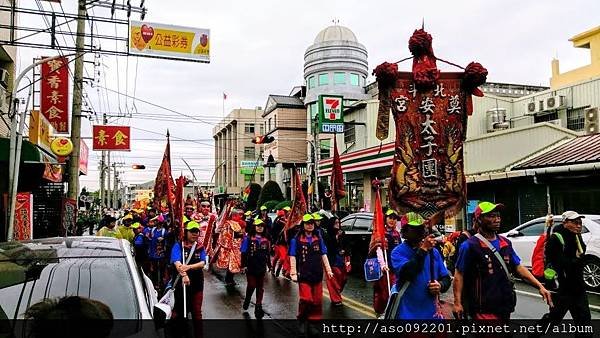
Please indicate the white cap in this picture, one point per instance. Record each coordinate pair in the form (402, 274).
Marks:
(571, 215)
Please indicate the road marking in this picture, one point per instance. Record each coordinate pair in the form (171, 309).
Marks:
(355, 302)
(355, 305)
(593, 307)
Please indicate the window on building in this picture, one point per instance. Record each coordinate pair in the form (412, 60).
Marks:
(274, 121)
(311, 82)
(262, 177)
(354, 79)
(269, 125)
(249, 128)
(313, 111)
(339, 78)
(249, 153)
(545, 117)
(325, 146)
(247, 177)
(575, 119)
(323, 79)
(262, 129)
(350, 133)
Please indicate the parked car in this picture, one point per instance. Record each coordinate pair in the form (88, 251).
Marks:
(524, 237)
(358, 228)
(98, 268)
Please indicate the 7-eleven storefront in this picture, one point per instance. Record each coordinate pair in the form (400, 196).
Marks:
(360, 168)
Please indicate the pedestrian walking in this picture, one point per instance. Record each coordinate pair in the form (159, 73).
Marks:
(125, 228)
(255, 261)
(140, 245)
(565, 251)
(156, 251)
(229, 256)
(381, 288)
(308, 257)
(280, 250)
(191, 274)
(420, 271)
(483, 278)
(264, 216)
(109, 229)
(338, 253)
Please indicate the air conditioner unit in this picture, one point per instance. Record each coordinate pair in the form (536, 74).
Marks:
(531, 108)
(592, 121)
(555, 102)
(4, 77)
(557, 122)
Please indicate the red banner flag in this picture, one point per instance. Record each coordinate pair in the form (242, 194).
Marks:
(337, 178)
(163, 184)
(179, 201)
(54, 93)
(430, 110)
(378, 234)
(111, 138)
(299, 207)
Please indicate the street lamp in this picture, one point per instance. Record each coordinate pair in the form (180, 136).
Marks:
(16, 140)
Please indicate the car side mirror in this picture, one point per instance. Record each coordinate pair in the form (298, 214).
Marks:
(514, 233)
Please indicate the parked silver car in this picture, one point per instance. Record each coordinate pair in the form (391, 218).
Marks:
(524, 237)
(98, 268)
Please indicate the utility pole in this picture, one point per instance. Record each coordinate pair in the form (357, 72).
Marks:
(317, 149)
(108, 194)
(116, 188)
(103, 171)
(76, 108)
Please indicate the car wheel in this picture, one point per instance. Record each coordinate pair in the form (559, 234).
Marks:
(591, 273)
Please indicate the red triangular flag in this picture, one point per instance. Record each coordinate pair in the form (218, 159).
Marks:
(163, 184)
(378, 234)
(298, 206)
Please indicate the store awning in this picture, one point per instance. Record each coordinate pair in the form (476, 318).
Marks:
(30, 153)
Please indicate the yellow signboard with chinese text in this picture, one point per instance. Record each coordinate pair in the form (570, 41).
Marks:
(167, 41)
(40, 131)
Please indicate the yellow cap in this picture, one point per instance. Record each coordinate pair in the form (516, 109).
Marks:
(192, 225)
(135, 225)
(258, 221)
(287, 208)
(307, 218)
(263, 208)
(128, 216)
(248, 213)
(316, 216)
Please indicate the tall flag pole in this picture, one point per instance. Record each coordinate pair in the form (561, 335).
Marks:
(337, 178)
(378, 234)
(164, 195)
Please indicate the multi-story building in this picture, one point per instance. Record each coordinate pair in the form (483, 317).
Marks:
(235, 154)
(284, 118)
(8, 59)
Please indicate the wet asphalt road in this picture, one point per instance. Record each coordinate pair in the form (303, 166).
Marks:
(281, 300)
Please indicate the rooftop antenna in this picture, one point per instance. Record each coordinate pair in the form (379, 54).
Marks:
(423, 24)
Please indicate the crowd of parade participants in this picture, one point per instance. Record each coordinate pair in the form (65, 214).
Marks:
(415, 264)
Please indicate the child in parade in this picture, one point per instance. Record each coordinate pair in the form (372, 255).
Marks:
(392, 239)
(308, 256)
(338, 253)
(191, 274)
(255, 260)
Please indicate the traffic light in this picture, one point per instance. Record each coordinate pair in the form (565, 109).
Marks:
(138, 166)
(264, 139)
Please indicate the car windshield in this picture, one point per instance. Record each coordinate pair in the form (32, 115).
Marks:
(30, 276)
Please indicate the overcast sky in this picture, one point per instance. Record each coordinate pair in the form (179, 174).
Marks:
(257, 49)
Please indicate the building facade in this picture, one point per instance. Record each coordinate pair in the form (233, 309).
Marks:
(284, 119)
(235, 154)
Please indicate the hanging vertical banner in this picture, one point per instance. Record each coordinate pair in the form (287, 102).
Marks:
(23, 229)
(54, 94)
(430, 110)
(111, 138)
(69, 217)
(84, 152)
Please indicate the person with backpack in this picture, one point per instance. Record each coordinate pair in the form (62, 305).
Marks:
(565, 251)
(255, 260)
(457, 242)
(483, 281)
(538, 259)
(308, 259)
(420, 272)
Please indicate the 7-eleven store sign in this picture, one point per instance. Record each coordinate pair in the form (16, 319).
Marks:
(331, 117)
